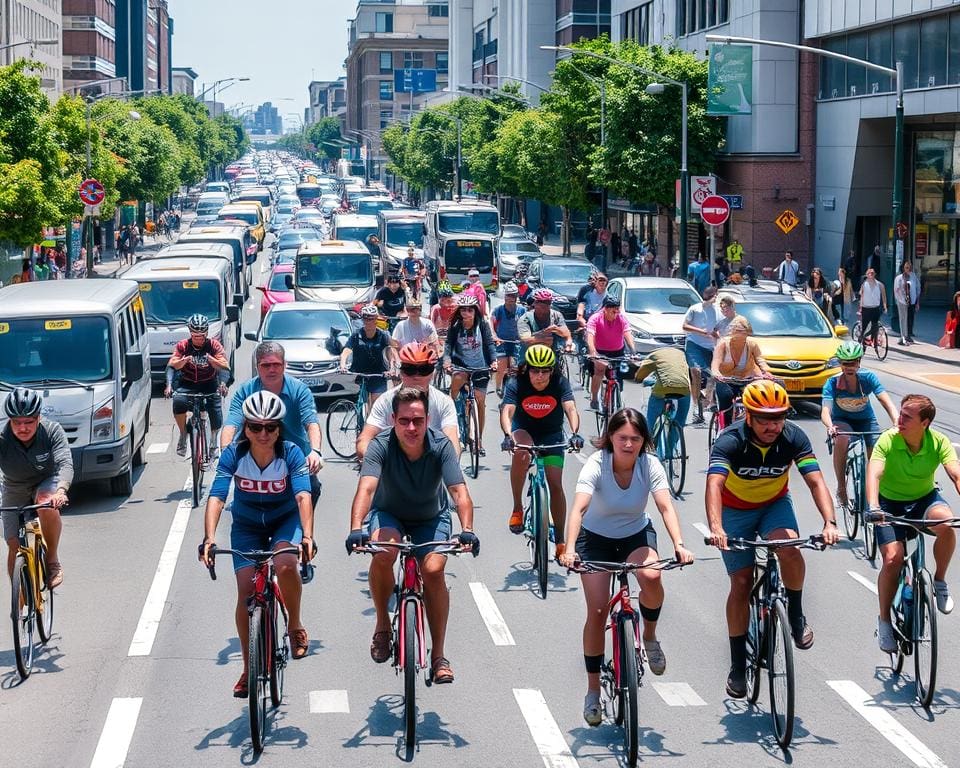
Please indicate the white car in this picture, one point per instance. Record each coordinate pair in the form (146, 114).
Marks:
(655, 308)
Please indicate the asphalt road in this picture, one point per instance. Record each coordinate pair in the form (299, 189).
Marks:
(140, 670)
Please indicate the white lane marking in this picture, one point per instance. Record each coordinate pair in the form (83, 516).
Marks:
(678, 695)
(546, 733)
(117, 733)
(863, 580)
(146, 632)
(157, 448)
(496, 626)
(702, 527)
(915, 750)
(329, 702)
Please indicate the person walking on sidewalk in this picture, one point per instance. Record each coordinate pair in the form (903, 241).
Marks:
(789, 271)
(735, 255)
(842, 295)
(906, 292)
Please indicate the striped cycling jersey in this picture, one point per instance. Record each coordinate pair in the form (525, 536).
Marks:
(261, 495)
(756, 475)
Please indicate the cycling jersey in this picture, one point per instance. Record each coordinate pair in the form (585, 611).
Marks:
(844, 404)
(368, 352)
(908, 476)
(757, 475)
(48, 457)
(198, 375)
(261, 495)
(393, 301)
(539, 412)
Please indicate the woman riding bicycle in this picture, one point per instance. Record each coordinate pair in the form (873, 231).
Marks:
(442, 313)
(736, 356)
(271, 508)
(846, 408)
(373, 351)
(608, 521)
(470, 345)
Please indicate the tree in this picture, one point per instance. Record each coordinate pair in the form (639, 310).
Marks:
(324, 135)
(25, 207)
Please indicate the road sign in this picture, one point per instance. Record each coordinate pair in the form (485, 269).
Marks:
(414, 80)
(736, 201)
(714, 210)
(787, 221)
(901, 230)
(91, 192)
(701, 187)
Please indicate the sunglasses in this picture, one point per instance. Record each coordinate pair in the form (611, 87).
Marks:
(849, 362)
(417, 370)
(770, 419)
(541, 370)
(258, 428)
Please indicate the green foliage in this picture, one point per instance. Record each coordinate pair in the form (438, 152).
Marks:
(25, 206)
(325, 135)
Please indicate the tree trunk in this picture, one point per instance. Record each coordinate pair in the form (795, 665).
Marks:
(565, 230)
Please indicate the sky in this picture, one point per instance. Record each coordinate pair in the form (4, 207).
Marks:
(281, 45)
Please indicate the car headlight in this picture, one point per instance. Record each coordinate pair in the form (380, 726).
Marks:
(101, 427)
(833, 363)
(639, 333)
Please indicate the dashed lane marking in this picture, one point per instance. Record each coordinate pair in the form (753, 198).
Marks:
(678, 695)
(702, 527)
(157, 448)
(546, 733)
(117, 733)
(329, 702)
(888, 727)
(490, 613)
(863, 580)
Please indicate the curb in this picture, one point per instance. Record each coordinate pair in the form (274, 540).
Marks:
(925, 351)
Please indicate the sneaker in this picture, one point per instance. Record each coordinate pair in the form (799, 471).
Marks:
(902, 343)
(696, 419)
(655, 658)
(944, 601)
(885, 637)
(592, 711)
(802, 638)
(516, 521)
(594, 404)
(182, 445)
(737, 684)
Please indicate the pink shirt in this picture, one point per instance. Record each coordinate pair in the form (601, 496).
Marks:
(607, 336)
(477, 289)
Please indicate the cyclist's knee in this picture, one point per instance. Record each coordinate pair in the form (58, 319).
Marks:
(741, 583)
(891, 556)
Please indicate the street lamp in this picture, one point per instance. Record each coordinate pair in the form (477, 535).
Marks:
(230, 80)
(31, 43)
(516, 79)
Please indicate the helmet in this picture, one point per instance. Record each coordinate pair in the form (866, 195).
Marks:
(444, 289)
(540, 356)
(263, 406)
(369, 310)
(543, 294)
(850, 350)
(198, 323)
(22, 403)
(416, 353)
(765, 396)
(611, 301)
(467, 300)
(510, 289)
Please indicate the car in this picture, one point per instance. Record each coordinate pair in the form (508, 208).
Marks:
(565, 276)
(291, 238)
(795, 337)
(276, 290)
(514, 251)
(311, 217)
(280, 220)
(655, 308)
(515, 232)
(369, 206)
(305, 330)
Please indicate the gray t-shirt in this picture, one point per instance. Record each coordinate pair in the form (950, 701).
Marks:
(409, 490)
(48, 457)
(613, 511)
(702, 316)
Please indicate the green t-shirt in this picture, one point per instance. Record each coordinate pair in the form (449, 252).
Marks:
(909, 476)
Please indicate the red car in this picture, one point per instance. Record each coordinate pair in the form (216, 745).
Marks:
(276, 291)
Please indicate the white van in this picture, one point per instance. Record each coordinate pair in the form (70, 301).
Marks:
(352, 226)
(397, 229)
(338, 271)
(173, 289)
(460, 236)
(236, 237)
(83, 345)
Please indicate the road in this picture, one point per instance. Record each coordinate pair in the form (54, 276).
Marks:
(144, 656)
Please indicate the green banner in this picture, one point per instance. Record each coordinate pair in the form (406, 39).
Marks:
(730, 80)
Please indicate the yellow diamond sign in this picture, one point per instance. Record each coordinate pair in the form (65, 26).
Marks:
(787, 221)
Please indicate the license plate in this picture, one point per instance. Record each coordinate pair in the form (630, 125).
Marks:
(313, 381)
(794, 385)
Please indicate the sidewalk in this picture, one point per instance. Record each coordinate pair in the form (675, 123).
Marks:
(111, 266)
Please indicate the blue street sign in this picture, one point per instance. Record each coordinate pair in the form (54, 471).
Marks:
(736, 201)
(414, 80)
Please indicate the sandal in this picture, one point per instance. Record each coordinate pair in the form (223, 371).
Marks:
(54, 574)
(300, 643)
(380, 646)
(440, 671)
(240, 690)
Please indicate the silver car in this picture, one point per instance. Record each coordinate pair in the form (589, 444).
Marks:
(655, 308)
(512, 252)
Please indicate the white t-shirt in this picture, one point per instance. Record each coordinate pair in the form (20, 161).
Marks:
(615, 512)
(443, 413)
(406, 333)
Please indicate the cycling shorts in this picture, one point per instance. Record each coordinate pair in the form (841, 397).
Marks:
(508, 349)
(21, 496)
(915, 510)
(246, 535)
(846, 424)
(749, 523)
(375, 386)
(181, 405)
(593, 546)
(439, 528)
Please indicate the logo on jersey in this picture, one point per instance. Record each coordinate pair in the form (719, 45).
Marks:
(262, 486)
(538, 407)
(762, 471)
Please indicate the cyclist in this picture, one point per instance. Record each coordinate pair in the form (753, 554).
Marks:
(412, 268)
(608, 334)
(544, 325)
(442, 313)
(415, 328)
(372, 350)
(398, 494)
(505, 334)
(37, 468)
(747, 495)
(470, 345)
(271, 508)
(520, 278)
(199, 361)
(900, 481)
(474, 287)
(590, 298)
(391, 299)
(846, 408)
(417, 365)
(671, 380)
(534, 404)
(608, 521)
(700, 325)
(736, 356)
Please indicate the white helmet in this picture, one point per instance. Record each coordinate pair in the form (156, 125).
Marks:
(264, 406)
(370, 310)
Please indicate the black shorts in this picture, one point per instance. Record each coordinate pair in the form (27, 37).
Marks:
(617, 354)
(913, 510)
(593, 546)
(181, 405)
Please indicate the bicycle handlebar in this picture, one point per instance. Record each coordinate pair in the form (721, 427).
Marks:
(446, 547)
(924, 525)
(622, 358)
(811, 542)
(538, 449)
(30, 508)
(602, 566)
(256, 556)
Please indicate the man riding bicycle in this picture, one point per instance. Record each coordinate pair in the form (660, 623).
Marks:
(747, 495)
(505, 334)
(544, 396)
(37, 468)
(399, 494)
(544, 325)
(608, 334)
(900, 482)
(199, 360)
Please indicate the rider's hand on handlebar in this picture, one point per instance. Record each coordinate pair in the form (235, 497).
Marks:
(508, 443)
(832, 431)
(568, 559)
(718, 538)
(168, 392)
(576, 443)
(683, 555)
(830, 534)
(357, 538)
(469, 542)
(308, 549)
(203, 551)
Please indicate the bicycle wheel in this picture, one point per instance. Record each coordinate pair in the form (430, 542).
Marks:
(851, 510)
(857, 332)
(540, 524)
(473, 443)
(440, 379)
(754, 650)
(924, 640)
(628, 686)
(23, 615)
(780, 672)
(676, 463)
(713, 429)
(280, 642)
(564, 367)
(342, 428)
(257, 679)
(883, 343)
(195, 459)
(45, 608)
(410, 657)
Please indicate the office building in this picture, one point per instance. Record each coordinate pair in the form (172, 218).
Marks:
(328, 98)
(267, 120)
(38, 20)
(89, 43)
(183, 80)
(144, 38)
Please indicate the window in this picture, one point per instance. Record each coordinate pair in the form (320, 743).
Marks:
(386, 90)
(413, 59)
(694, 15)
(443, 65)
(953, 64)
(880, 51)
(635, 24)
(438, 11)
(386, 115)
(933, 51)
(856, 75)
(386, 62)
(384, 22)
(906, 48)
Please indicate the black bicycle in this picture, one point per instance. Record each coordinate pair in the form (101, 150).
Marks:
(198, 431)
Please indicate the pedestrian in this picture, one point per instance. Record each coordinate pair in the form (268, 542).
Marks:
(735, 255)
(123, 244)
(615, 242)
(873, 261)
(26, 272)
(842, 296)
(951, 334)
(649, 267)
(135, 238)
(700, 325)
(541, 234)
(873, 302)
(850, 265)
(906, 292)
(632, 246)
(41, 270)
(698, 273)
(721, 271)
(590, 251)
(789, 271)
(818, 291)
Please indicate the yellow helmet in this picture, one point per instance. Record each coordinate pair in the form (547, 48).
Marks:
(766, 397)
(540, 356)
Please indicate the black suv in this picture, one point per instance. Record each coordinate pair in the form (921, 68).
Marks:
(565, 277)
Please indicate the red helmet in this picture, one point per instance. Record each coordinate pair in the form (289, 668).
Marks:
(416, 353)
(543, 294)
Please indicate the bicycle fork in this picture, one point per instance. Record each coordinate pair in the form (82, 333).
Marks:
(412, 587)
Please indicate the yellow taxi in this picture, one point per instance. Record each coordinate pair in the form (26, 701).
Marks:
(797, 341)
(250, 212)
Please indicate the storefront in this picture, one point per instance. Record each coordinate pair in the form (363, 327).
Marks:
(934, 228)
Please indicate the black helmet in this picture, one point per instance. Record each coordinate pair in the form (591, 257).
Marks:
(22, 403)
(198, 323)
(611, 301)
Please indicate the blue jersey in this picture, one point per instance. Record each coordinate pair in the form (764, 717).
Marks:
(506, 324)
(846, 405)
(261, 495)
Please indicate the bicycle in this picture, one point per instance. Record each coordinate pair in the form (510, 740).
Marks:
(610, 399)
(881, 345)
(199, 437)
(622, 674)
(855, 481)
(718, 421)
(409, 638)
(31, 604)
(671, 446)
(769, 639)
(913, 613)
(268, 650)
(346, 417)
(468, 417)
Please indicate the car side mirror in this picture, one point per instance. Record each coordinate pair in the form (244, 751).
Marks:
(841, 330)
(250, 336)
(238, 300)
(233, 313)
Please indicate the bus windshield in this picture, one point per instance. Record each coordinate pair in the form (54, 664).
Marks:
(171, 302)
(399, 235)
(458, 255)
(487, 222)
(334, 269)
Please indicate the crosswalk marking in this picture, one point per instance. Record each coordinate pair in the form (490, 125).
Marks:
(117, 733)
(496, 626)
(329, 702)
(863, 580)
(678, 695)
(157, 448)
(888, 727)
(546, 733)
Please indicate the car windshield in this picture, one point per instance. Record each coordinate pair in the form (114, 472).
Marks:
(297, 236)
(363, 234)
(278, 282)
(566, 273)
(515, 246)
(798, 319)
(309, 192)
(460, 254)
(334, 269)
(659, 301)
(304, 324)
(402, 233)
(171, 302)
(370, 207)
(286, 255)
(286, 209)
(261, 197)
(52, 347)
(206, 209)
(247, 217)
(487, 222)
